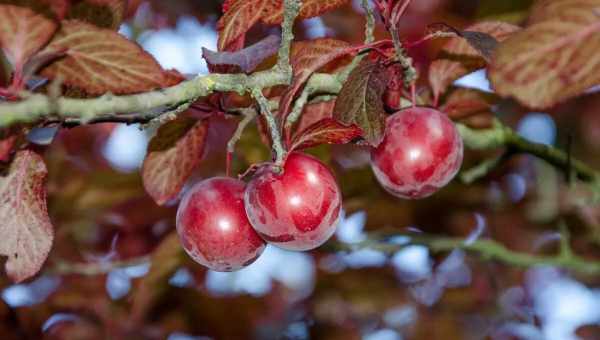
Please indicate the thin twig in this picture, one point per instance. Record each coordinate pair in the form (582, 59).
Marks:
(483, 169)
(249, 114)
(291, 9)
(94, 268)
(265, 110)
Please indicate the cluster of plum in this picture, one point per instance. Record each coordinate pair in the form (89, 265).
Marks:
(224, 224)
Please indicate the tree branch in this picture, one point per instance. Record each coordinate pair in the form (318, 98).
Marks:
(95, 268)
(488, 250)
(147, 106)
(483, 169)
(263, 103)
(502, 136)
(291, 9)
(249, 114)
(38, 106)
(316, 82)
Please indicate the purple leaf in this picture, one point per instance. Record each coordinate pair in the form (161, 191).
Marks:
(247, 59)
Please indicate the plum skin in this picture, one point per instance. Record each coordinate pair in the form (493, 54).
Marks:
(421, 152)
(297, 209)
(213, 227)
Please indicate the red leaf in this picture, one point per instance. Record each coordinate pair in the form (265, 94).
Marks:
(310, 8)
(315, 112)
(22, 33)
(51, 9)
(6, 147)
(462, 103)
(25, 230)
(360, 101)
(306, 57)
(239, 16)
(459, 57)
(58, 7)
(326, 131)
(553, 60)
(101, 13)
(562, 10)
(101, 60)
(173, 77)
(172, 156)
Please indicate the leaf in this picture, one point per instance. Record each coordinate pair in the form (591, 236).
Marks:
(6, 147)
(512, 11)
(22, 33)
(172, 156)
(306, 57)
(326, 131)
(463, 102)
(101, 60)
(315, 112)
(239, 16)
(459, 58)
(26, 231)
(310, 8)
(51, 9)
(550, 61)
(101, 13)
(555, 10)
(39, 60)
(360, 101)
(166, 259)
(483, 43)
(247, 59)
(58, 7)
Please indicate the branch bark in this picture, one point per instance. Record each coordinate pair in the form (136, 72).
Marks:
(502, 136)
(486, 249)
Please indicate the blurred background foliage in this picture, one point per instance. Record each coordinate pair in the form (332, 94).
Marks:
(117, 271)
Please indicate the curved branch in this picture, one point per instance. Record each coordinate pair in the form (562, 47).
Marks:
(263, 103)
(38, 106)
(488, 250)
(502, 136)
